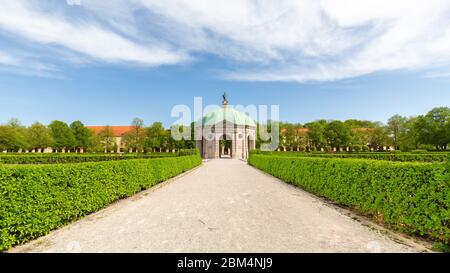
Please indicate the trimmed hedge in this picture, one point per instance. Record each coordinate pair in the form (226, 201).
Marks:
(402, 157)
(79, 158)
(408, 196)
(35, 200)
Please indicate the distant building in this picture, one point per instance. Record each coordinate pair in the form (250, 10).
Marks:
(118, 133)
(226, 132)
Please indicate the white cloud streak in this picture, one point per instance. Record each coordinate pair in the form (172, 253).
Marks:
(27, 64)
(284, 40)
(437, 74)
(7, 59)
(24, 18)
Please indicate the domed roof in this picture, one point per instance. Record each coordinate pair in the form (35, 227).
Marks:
(229, 114)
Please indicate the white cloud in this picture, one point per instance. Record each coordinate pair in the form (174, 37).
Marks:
(26, 64)
(284, 40)
(437, 74)
(26, 19)
(7, 59)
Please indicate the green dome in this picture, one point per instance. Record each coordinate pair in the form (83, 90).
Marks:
(228, 114)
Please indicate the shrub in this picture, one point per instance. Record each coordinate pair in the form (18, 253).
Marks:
(402, 157)
(37, 199)
(419, 151)
(408, 196)
(185, 152)
(356, 148)
(74, 158)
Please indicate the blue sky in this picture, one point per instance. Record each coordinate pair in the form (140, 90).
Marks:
(108, 62)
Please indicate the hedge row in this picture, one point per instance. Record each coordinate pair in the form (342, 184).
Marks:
(408, 196)
(79, 158)
(37, 199)
(402, 157)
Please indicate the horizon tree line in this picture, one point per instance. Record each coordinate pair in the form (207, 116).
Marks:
(76, 137)
(430, 131)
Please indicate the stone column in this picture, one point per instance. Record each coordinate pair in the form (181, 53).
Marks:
(234, 143)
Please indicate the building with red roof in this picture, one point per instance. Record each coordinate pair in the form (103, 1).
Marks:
(118, 133)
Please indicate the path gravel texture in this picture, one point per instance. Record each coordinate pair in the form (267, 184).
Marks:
(223, 206)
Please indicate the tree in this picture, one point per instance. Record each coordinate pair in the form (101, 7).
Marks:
(135, 139)
(264, 132)
(396, 127)
(168, 142)
(316, 134)
(82, 135)
(301, 139)
(293, 137)
(95, 143)
(15, 123)
(358, 124)
(62, 135)
(155, 136)
(360, 138)
(287, 133)
(337, 134)
(184, 143)
(409, 136)
(39, 137)
(379, 138)
(434, 127)
(12, 136)
(107, 138)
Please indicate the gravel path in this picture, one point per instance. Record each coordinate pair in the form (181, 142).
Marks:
(223, 206)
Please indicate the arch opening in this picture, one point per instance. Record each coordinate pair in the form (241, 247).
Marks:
(225, 147)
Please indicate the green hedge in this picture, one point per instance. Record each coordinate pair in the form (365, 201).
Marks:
(37, 199)
(402, 157)
(408, 196)
(79, 158)
(184, 152)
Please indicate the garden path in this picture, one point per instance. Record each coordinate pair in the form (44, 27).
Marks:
(223, 206)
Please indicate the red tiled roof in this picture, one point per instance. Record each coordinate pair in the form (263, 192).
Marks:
(118, 131)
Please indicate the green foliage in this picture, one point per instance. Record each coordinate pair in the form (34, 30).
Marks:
(396, 125)
(155, 136)
(441, 247)
(397, 156)
(75, 158)
(410, 197)
(430, 131)
(39, 136)
(419, 151)
(82, 135)
(337, 134)
(35, 200)
(94, 144)
(135, 139)
(434, 127)
(187, 152)
(107, 139)
(379, 138)
(356, 124)
(316, 134)
(12, 138)
(62, 135)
